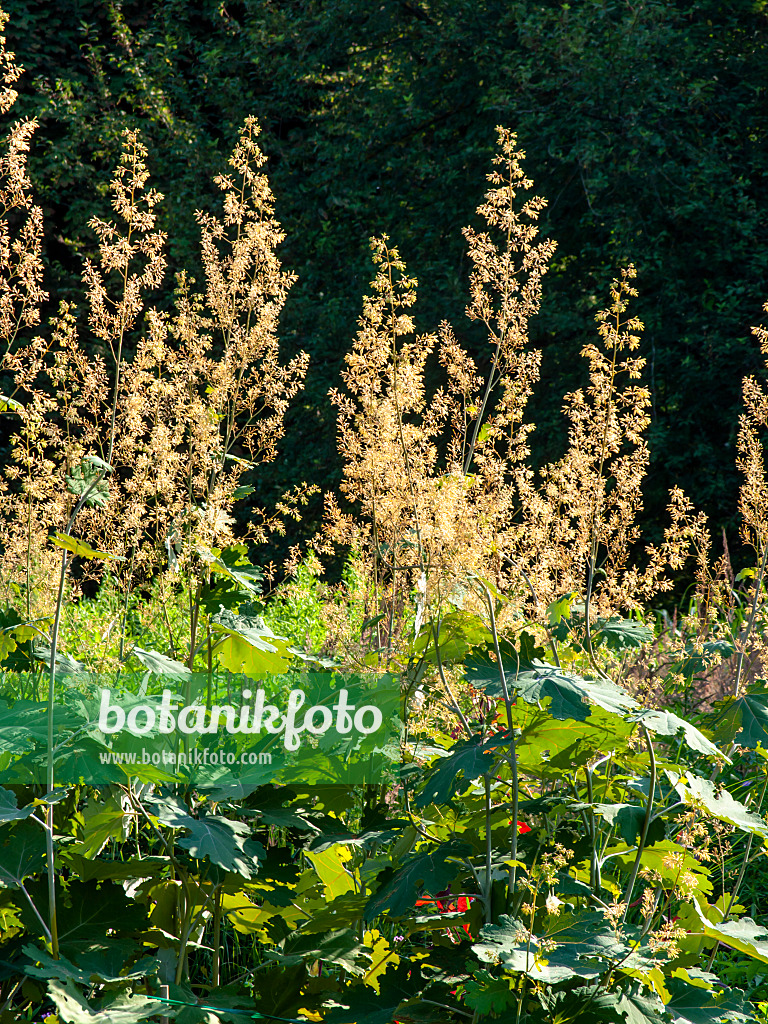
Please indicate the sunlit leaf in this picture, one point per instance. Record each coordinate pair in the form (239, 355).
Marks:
(702, 793)
(658, 859)
(382, 957)
(73, 1008)
(10, 405)
(665, 723)
(249, 646)
(161, 664)
(744, 935)
(459, 631)
(331, 866)
(621, 634)
(81, 548)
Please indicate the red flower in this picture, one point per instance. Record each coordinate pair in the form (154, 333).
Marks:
(448, 904)
(522, 828)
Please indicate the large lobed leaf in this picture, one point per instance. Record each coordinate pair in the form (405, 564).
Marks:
(570, 696)
(701, 792)
(467, 760)
(224, 842)
(744, 720)
(426, 872)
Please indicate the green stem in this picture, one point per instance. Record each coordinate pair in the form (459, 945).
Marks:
(511, 753)
(49, 776)
(487, 888)
(753, 613)
(216, 964)
(594, 870)
(646, 824)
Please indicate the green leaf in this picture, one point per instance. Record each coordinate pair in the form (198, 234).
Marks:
(459, 631)
(249, 646)
(570, 695)
(95, 913)
(657, 858)
(701, 792)
(622, 634)
(161, 664)
(24, 723)
(744, 934)
(345, 910)
(580, 939)
(97, 463)
(15, 631)
(561, 608)
(22, 854)
(7, 644)
(744, 720)
(340, 948)
(482, 668)
(665, 723)
(50, 968)
(8, 809)
(628, 820)
(102, 822)
(565, 690)
(695, 1001)
(745, 574)
(590, 1005)
(467, 759)
(330, 865)
(697, 658)
(224, 842)
(10, 405)
(81, 548)
(88, 869)
(96, 969)
(549, 747)
(426, 872)
(87, 478)
(232, 564)
(361, 1006)
(636, 1006)
(64, 664)
(74, 1009)
(488, 995)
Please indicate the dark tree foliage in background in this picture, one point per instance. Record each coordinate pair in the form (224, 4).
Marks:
(644, 124)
